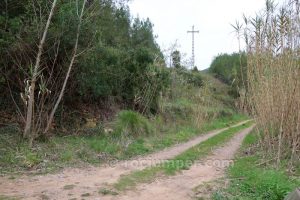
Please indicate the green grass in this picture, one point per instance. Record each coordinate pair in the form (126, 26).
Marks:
(68, 187)
(178, 163)
(131, 124)
(105, 191)
(250, 180)
(8, 198)
(223, 122)
(68, 151)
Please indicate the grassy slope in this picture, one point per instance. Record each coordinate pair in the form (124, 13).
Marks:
(180, 162)
(174, 125)
(250, 179)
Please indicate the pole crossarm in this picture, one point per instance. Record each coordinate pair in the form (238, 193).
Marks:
(193, 44)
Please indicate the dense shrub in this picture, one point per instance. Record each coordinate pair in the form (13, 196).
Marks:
(191, 77)
(131, 124)
(227, 67)
(231, 69)
(118, 58)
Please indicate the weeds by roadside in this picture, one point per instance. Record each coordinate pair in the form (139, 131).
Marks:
(59, 152)
(251, 177)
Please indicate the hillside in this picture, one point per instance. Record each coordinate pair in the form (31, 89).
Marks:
(187, 111)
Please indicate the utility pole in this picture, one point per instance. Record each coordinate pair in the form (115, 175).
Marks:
(193, 44)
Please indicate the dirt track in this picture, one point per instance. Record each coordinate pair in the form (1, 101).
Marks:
(181, 186)
(73, 183)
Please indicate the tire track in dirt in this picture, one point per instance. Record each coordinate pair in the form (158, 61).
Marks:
(73, 182)
(181, 186)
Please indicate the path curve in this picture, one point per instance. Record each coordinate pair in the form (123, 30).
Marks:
(90, 179)
(181, 186)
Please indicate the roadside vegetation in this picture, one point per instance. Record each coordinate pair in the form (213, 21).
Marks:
(98, 148)
(252, 176)
(231, 69)
(184, 111)
(273, 76)
(92, 60)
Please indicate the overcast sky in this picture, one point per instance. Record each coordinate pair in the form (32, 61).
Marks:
(173, 18)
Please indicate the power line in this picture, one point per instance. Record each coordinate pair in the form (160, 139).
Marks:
(193, 44)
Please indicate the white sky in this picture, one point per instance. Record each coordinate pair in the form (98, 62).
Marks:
(173, 18)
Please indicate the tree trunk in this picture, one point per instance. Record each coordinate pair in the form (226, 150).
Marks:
(68, 72)
(30, 112)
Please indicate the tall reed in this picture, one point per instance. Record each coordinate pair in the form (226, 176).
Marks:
(273, 71)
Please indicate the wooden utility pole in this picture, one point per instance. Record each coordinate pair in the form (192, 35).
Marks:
(193, 44)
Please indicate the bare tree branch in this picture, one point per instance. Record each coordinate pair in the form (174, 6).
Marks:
(74, 55)
(30, 112)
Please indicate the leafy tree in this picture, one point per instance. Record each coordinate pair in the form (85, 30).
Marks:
(176, 59)
(117, 57)
(229, 68)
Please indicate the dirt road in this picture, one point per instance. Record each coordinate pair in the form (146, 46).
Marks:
(181, 186)
(85, 183)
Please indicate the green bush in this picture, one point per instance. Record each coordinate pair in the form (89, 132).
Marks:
(227, 66)
(123, 62)
(231, 69)
(131, 124)
(193, 78)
